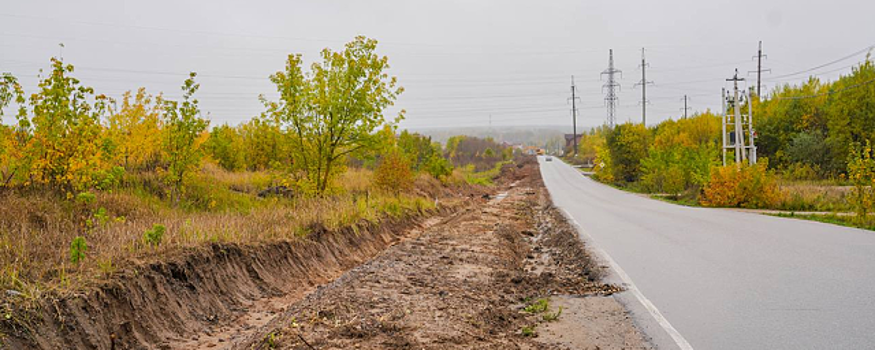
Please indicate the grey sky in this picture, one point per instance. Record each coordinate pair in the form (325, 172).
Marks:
(460, 61)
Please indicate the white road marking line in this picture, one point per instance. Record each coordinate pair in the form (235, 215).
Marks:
(630, 286)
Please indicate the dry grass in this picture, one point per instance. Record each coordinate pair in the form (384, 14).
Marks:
(808, 196)
(36, 229)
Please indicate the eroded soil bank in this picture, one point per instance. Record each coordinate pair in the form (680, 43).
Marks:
(473, 281)
(459, 278)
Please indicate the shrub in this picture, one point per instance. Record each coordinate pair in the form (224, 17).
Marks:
(438, 167)
(628, 145)
(861, 172)
(77, 249)
(394, 173)
(154, 235)
(742, 186)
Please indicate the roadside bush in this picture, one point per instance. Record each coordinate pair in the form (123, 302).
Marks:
(628, 145)
(745, 186)
(394, 173)
(602, 167)
(861, 172)
(438, 167)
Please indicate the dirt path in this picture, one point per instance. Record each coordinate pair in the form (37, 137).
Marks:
(494, 277)
(256, 315)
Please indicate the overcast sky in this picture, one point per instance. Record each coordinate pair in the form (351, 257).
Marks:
(459, 61)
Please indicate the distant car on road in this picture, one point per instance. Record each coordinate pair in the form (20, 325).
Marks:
(548, 158)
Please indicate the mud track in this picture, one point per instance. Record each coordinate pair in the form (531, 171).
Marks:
(458, 278)
(465, 283)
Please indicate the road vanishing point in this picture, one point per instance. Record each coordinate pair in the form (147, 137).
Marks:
(724, 279)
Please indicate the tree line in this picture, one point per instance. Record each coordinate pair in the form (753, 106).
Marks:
(68, 139)
(815, 130)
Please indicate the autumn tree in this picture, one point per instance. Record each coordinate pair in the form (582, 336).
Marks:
(265, 143)
(225, 146)
(628, 144)
(65, 150)
(134, 130)
(13, 139)
(183, 127)
(333, 110)
(394, 173)
(682, 154)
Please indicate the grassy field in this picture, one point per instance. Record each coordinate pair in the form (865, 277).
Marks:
(36, 228)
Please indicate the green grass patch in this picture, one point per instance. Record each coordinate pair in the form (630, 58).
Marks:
(841, 220)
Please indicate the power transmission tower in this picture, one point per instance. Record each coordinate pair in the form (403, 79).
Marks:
(643, 83)
(759, 57)
(611, 85)
(685, 108)
(574, 100)
(743, 145)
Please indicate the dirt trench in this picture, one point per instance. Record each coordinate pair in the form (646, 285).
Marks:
(193, 298)
(457, 278)
(469, 282)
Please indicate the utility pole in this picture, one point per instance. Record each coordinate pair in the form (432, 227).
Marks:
(685, 109)
(643, 83)
(611, 85)
(723, 122)
(760, 70)
(574, 99)
(744, 147)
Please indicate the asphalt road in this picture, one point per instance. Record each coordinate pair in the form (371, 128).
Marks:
(726, 279)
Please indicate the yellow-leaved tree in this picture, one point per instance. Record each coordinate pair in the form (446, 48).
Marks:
(334, 110)
(134, 131)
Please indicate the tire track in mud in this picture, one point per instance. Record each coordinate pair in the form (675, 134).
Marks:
(462, 284)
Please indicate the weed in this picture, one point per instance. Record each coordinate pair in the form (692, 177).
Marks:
(271, 340)
(550, 317)
(85, 198)
(538, 306)
(154, 235)
(106, 267)
(529, 331)
(77, 249)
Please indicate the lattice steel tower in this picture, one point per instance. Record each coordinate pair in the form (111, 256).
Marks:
(611, 86)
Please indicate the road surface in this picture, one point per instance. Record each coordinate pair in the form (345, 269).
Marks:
(725, 279)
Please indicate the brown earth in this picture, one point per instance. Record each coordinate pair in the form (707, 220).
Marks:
(456, 278)
(181, 301)
(465, 283)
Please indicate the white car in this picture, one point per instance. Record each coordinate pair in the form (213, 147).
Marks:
(548, 158)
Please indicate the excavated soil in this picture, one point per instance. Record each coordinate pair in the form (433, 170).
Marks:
(459, 278)
(201, 298)
(465, 283)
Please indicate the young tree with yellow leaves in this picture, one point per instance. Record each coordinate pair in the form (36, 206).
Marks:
(183, 127)
(334, 110)
(134, 131)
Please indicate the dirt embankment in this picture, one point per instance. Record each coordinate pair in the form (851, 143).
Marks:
(463, 278)
(188, 298)
(491, 277)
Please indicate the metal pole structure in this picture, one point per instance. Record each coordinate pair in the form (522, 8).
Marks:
(752, 144)
(760, 70)
(739, 132)
(643, 84)
(574, 114)
(643, 89)
(759, 67)
(723, 122)
(686, 108)
(611, 95)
